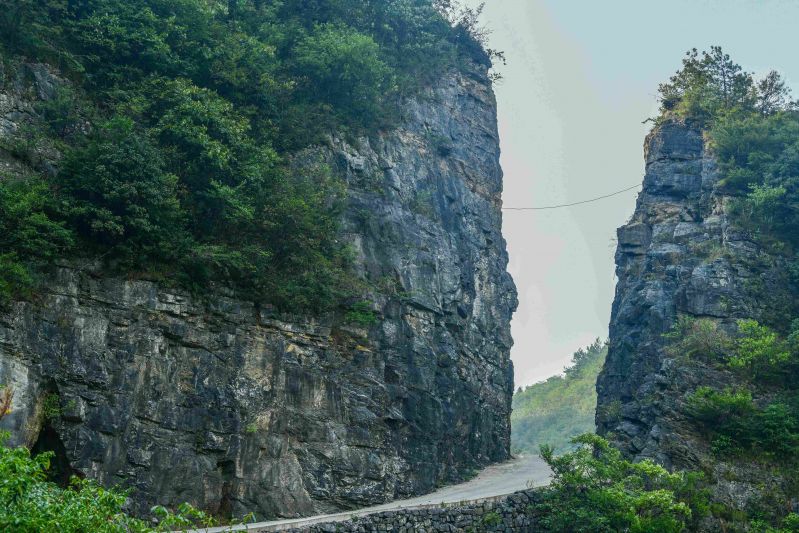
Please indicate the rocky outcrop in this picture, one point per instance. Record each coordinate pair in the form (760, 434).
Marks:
(226, 404)
(680, 255)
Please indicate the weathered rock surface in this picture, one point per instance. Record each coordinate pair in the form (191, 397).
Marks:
(223, 403)
(680, 255)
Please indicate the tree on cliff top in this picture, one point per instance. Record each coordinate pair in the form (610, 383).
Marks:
(711, 84)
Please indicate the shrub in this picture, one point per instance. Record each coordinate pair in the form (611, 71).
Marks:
(15, 280)
(736, 424)
(759, 160)
(759, 350)
(117, 194)
(30, 234)
(361, 314)
(51, 406)
(491, 518)
(720, 407)
(344, 67)
(594, 490)
(698, 338)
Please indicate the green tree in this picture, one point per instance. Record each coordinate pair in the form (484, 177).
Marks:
(707, 85)
(117, 193)
(759, 350)
(30, 234)
(344, 68)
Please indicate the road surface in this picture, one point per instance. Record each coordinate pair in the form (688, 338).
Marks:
(496, 480)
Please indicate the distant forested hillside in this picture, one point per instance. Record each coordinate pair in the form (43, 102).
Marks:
(553, 411)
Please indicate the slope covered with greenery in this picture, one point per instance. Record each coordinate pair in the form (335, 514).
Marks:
(554, 411)
(177, 125)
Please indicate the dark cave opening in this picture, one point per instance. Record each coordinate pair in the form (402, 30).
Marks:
(227, 470)
(60, 470)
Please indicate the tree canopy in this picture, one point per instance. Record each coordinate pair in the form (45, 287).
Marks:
(179, 122)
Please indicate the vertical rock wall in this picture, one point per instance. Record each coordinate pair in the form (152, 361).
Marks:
(223, 403)
(679, 255)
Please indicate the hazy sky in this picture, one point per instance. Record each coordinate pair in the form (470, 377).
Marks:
(581, 77)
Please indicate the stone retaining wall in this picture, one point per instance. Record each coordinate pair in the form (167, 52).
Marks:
(512, 513)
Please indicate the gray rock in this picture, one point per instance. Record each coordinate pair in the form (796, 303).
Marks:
(232, 407)
(698, 265)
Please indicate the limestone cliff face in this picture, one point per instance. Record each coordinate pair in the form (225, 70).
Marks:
(224, 403)
(680, 255)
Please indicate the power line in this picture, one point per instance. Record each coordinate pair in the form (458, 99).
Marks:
(569, 205)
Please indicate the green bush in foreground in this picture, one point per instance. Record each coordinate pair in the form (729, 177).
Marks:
(595, 490)
(31, 504)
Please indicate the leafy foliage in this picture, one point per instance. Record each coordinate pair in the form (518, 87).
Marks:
(759, 350)
(595, 490)
(30, 234)
(117, 193)
(759, 156)
(757, 418)
(181, 122)
(554, 411)
(789, 524)
(344, 69)
(708, 85)
(362, 314)
(699, 338)
(737, 425)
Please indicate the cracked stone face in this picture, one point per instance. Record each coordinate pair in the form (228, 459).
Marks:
(227, 405)
(679, 255)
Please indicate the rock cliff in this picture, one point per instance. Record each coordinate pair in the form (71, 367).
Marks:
(680, 255)
(228, 405)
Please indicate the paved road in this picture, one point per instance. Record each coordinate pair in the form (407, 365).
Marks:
(496, 480)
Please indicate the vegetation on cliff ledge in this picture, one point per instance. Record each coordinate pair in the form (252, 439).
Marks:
(166, 152)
